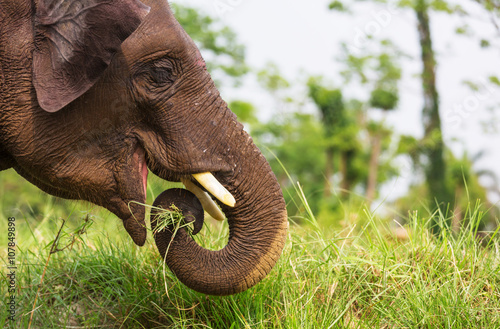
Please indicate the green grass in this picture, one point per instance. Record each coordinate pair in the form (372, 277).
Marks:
(358, 276)
(361, 277)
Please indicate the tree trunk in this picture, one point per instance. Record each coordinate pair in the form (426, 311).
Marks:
(346, 158)
(371, 186)
(330, 152)
(436, 168)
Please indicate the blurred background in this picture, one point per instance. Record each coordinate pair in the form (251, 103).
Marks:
(389, 106)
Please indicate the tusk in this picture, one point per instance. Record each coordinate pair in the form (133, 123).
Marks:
(205, 199)
(212, 185)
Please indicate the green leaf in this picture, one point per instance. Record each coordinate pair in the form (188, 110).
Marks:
(384, 99)
(485, 43)
(463, 30)
(224, 55)
(245, 111)
(441, 5)
(494, 79)
(271, 79)
(337, 6)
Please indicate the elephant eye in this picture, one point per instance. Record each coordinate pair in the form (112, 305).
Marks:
(156, 74)
(161, 75)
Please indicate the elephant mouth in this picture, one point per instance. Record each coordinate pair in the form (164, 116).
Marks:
(211, 189)
(215, 191)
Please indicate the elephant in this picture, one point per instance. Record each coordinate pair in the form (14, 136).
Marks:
(95, 94)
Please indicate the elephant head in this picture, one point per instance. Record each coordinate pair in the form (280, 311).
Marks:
(96, 92)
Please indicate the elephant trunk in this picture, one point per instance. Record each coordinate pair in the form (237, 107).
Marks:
(257, 231)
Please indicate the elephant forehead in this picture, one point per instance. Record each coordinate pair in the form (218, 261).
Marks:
(159, 32)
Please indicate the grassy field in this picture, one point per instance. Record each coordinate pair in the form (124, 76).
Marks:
(358, 275)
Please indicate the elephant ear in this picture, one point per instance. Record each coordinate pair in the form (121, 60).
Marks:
(75, 42)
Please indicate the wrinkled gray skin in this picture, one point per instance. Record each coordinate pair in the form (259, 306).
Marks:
(93, 91)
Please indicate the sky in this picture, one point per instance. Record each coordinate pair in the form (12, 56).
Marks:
(304, 38)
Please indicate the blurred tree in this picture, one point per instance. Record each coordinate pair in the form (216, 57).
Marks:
(466, 189)
(271, 79)
(435, 168)
(465, 179)
(358, 143)
(331, 106)
(245, 112)
(319, 150)
(378, 133)
(290, 138)
(493, 7)
(224, 55)
(380, 71)
(297, 141)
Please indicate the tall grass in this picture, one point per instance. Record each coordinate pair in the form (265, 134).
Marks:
(360, 276)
